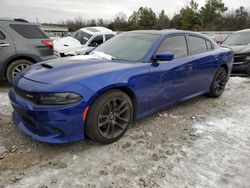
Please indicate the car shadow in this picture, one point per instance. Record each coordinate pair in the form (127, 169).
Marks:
(4, 84)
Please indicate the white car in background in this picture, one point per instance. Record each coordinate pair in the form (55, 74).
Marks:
(82, 41)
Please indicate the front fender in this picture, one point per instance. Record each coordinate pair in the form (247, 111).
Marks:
(134, 80)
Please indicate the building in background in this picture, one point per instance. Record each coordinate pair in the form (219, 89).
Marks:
(55, 32)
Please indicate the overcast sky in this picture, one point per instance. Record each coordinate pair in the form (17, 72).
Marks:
(56, 10)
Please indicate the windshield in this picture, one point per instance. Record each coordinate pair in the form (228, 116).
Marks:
(81, 36)
(127, 47)
(242, 38)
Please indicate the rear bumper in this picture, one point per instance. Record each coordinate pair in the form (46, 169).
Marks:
(49, 57)
(51, 125)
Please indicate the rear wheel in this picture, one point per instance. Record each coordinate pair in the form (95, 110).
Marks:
(16, 67)
(219, 83)
(109, 117)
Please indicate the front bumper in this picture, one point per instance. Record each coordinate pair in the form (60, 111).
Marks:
(51, 125)
(241, 67)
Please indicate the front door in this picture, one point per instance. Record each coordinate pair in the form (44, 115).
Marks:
(171, 79)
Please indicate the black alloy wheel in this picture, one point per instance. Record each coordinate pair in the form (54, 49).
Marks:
(114, 117)
(219, 83)
(109, 117)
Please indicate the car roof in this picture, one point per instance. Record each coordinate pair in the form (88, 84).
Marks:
(96, 30)
(16, 21)
(167, 32)
(242, 31)
(152, 32)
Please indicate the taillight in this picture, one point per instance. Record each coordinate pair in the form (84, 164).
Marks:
(48, 43)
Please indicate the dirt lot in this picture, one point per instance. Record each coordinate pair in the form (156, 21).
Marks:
(200, 143)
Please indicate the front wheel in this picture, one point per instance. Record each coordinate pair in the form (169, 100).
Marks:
(219, 83)
(16, 67)
(109, 117)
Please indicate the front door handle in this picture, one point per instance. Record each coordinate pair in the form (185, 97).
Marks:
(4, 44)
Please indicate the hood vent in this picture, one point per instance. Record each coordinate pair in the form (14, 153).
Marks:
(46, 66)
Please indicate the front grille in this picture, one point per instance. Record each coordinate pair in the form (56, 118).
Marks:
(239, 58)
(26, 95)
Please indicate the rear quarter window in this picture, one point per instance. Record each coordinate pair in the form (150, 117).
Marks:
(197, 45)
(2, 36)
(29, 31)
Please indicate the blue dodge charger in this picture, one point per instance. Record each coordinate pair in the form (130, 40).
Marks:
(126, 78)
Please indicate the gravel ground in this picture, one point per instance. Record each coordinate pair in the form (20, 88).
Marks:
(200, 143)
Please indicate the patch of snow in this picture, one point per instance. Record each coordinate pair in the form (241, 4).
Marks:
(2, 149)
(94, 55)
(101, 55)
(238, 80)
(220, 156)
(5, 106)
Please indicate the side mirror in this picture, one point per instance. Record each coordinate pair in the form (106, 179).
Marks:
(164, 56)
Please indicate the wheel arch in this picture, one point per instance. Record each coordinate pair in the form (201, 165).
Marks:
(225, 66)
(15, 58)
(123, 88)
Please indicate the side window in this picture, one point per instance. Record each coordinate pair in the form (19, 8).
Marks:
(2, 36)
(175, 44)
(107, 37)
(209, 45)
(197, 45)
(96, 41)
(29, 31)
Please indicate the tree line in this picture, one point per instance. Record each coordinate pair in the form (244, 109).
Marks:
(213, 16)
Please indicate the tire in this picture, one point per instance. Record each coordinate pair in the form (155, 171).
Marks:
(219, 83)
(109, 117)
(16, 67)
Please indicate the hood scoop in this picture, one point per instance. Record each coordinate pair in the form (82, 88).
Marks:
(46, 66)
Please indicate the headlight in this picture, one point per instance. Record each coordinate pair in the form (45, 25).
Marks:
(58, 98)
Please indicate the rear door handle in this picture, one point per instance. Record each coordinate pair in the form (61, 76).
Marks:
(4, 44)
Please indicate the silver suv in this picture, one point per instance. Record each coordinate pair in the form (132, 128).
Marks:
(21, 44)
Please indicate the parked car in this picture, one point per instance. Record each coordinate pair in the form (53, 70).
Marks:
(21, 44)
(239, 42)
(82, 41)
(126, 78)
(217, 36)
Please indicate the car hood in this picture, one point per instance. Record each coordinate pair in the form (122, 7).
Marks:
(239, 49)
(67, 44)
(72, 69)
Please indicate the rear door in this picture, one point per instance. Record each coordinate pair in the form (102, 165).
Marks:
(203, 63)
(7, 48)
